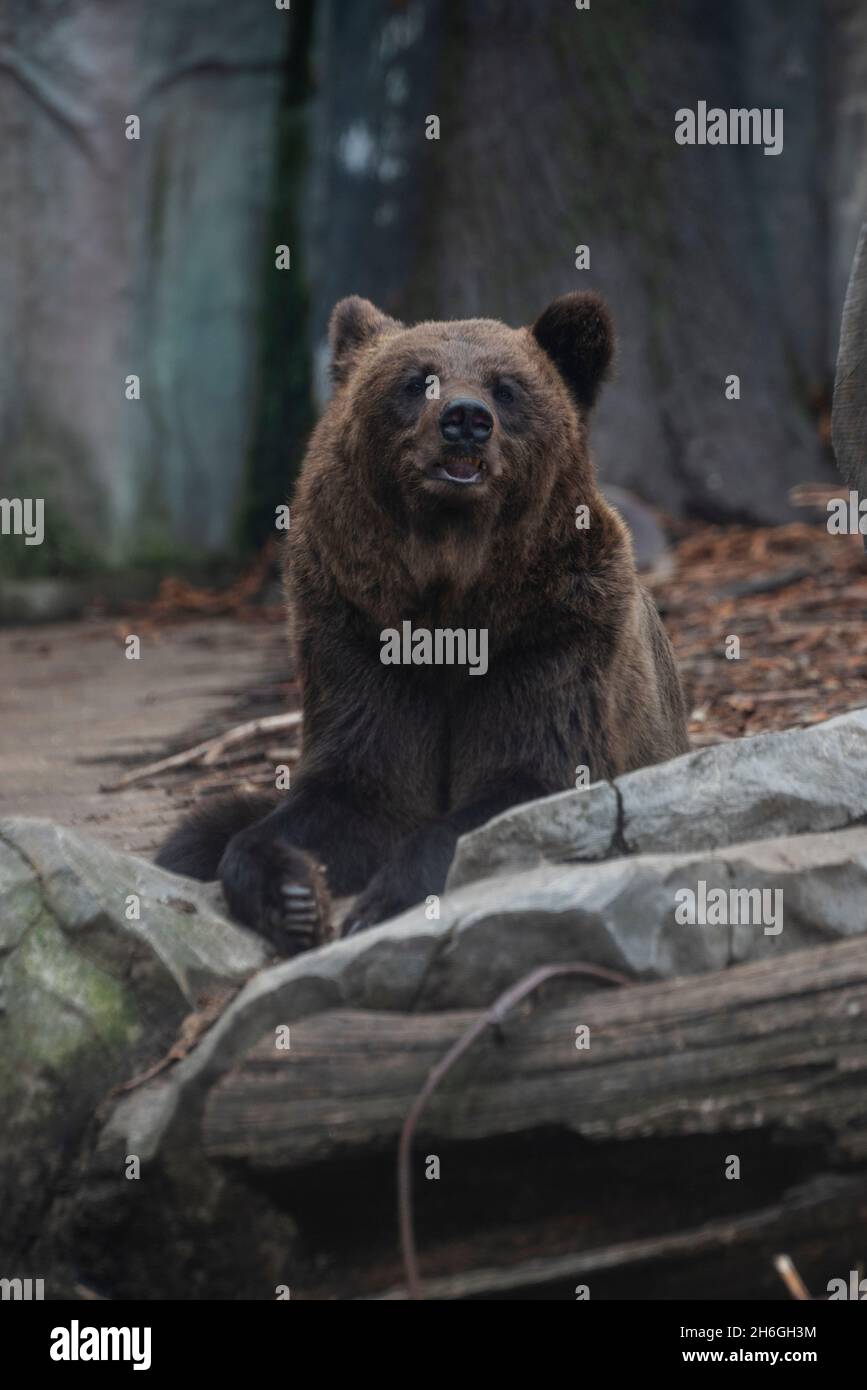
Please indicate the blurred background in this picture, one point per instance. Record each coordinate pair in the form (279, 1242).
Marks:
(305, 127)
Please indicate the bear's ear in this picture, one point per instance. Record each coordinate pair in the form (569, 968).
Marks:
(354, 322)
(577, 334)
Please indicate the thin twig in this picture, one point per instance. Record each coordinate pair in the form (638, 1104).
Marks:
(792, 1279)
(212, 749)
(491, 1018)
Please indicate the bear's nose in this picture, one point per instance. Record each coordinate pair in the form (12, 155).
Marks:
(466, 421)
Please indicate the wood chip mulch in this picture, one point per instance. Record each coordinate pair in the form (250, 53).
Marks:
(795, 597)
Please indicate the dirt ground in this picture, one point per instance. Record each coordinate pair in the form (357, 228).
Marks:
(77, 714)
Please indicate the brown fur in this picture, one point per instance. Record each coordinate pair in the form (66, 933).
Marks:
(399, 760)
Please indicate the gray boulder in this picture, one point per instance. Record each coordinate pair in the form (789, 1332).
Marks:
(102, 956)
(770, 785)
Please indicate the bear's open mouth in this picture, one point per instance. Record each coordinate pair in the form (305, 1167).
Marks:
(458, 468)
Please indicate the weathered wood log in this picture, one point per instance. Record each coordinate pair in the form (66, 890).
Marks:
(779, 1044)
(831, 1205)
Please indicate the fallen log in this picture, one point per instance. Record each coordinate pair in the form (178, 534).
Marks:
(778, 1044)
(830, 1204)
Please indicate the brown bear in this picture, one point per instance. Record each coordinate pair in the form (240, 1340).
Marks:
(447, 489)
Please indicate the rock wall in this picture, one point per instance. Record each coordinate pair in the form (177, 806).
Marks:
(137, 257)
(307, 127)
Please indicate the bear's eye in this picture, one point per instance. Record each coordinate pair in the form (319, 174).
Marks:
(503, 393)
(415, 386)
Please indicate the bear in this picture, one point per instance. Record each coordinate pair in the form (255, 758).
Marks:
(446, 489)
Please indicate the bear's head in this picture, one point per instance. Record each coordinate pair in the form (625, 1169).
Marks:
(455, 422)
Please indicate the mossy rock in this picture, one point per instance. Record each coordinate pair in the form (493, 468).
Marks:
(102, 956)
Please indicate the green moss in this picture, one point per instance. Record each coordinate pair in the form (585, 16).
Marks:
(63, 1002)
(159, 190)
(64, 553)
(47, 461)
(154, 549)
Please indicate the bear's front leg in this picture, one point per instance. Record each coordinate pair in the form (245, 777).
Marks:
(277, 889)
(276, 874)
(419, 865)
